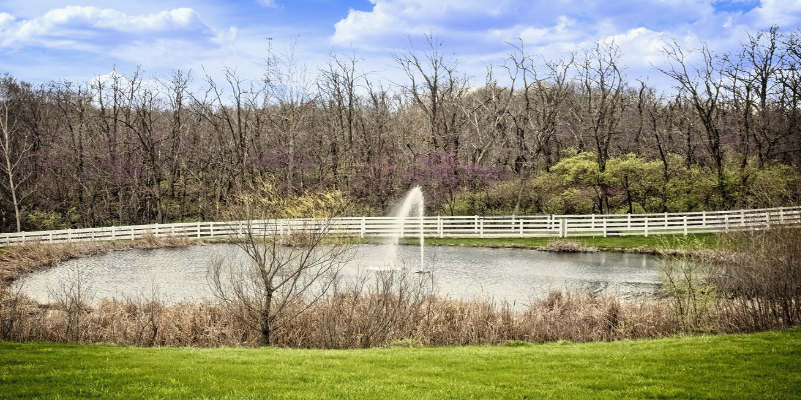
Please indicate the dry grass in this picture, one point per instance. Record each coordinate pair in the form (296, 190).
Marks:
(300, 239)
(568, 246)
(151, 241)
(347, 320)
(28, 257)
(16, 261)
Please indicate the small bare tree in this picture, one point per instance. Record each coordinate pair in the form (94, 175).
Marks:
(72, 297)
(289, 263)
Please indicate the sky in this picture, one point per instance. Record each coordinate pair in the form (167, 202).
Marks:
(80, 40)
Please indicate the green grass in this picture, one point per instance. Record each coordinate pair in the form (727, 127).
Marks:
(689, 242)
(762, 365)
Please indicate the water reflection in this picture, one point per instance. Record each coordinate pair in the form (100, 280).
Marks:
(512, 275)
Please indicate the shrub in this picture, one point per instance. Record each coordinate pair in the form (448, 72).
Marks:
(761, 279)
(687, 284)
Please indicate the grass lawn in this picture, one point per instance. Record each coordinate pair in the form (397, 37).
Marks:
(689, 242)
(762, 365)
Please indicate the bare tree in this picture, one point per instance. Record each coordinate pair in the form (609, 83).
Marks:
(291, 96)
(436, 88)
(289, 265)
(755, 82)
(599, 105)
(229, 111)
(537, 95)
(15, 148)
(337, 86)
(703, 85)
(790, 97)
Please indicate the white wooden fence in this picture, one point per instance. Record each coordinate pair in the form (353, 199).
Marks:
(438, 226)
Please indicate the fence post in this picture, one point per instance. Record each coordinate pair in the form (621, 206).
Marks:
(113, 232)
(592, 224)
(628, 223)
(781, 215)
(521, 227)
(646, 226)
(475, 223)
(726, 222)
(563, 226)
(703, 218)
(767, 220)
(440, 227)
(666, 220)
(363, 228)
(198, 229)
(606, 232)
(685, 225)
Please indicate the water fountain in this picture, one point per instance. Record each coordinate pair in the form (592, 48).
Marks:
(411, 206)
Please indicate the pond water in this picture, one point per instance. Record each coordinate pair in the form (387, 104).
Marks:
(512, 275)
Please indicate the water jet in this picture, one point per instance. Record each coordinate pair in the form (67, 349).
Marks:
(412, 206)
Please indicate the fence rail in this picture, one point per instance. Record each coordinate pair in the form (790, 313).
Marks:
(438, 226)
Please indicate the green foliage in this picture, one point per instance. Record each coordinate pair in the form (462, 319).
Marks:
(573, 185)
(581, 169)
(52, 220)
(770, 186)
(265, 201)
(46, 220)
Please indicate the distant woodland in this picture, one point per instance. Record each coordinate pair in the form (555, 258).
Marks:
(568, 135)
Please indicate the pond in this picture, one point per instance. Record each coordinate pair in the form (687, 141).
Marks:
(512, 275)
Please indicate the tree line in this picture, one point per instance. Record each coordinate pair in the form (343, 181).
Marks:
(538, 135)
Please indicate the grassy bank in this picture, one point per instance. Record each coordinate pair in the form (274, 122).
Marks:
(28, 257)
(762, 365)
(616, 243)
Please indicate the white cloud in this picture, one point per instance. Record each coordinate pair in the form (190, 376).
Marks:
(93, 27)
(478, 30)
(784, 13)
(6, 19)
(550, 21)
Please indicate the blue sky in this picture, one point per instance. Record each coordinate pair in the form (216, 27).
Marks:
(78, 40)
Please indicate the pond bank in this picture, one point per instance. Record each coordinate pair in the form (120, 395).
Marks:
(16, 261)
